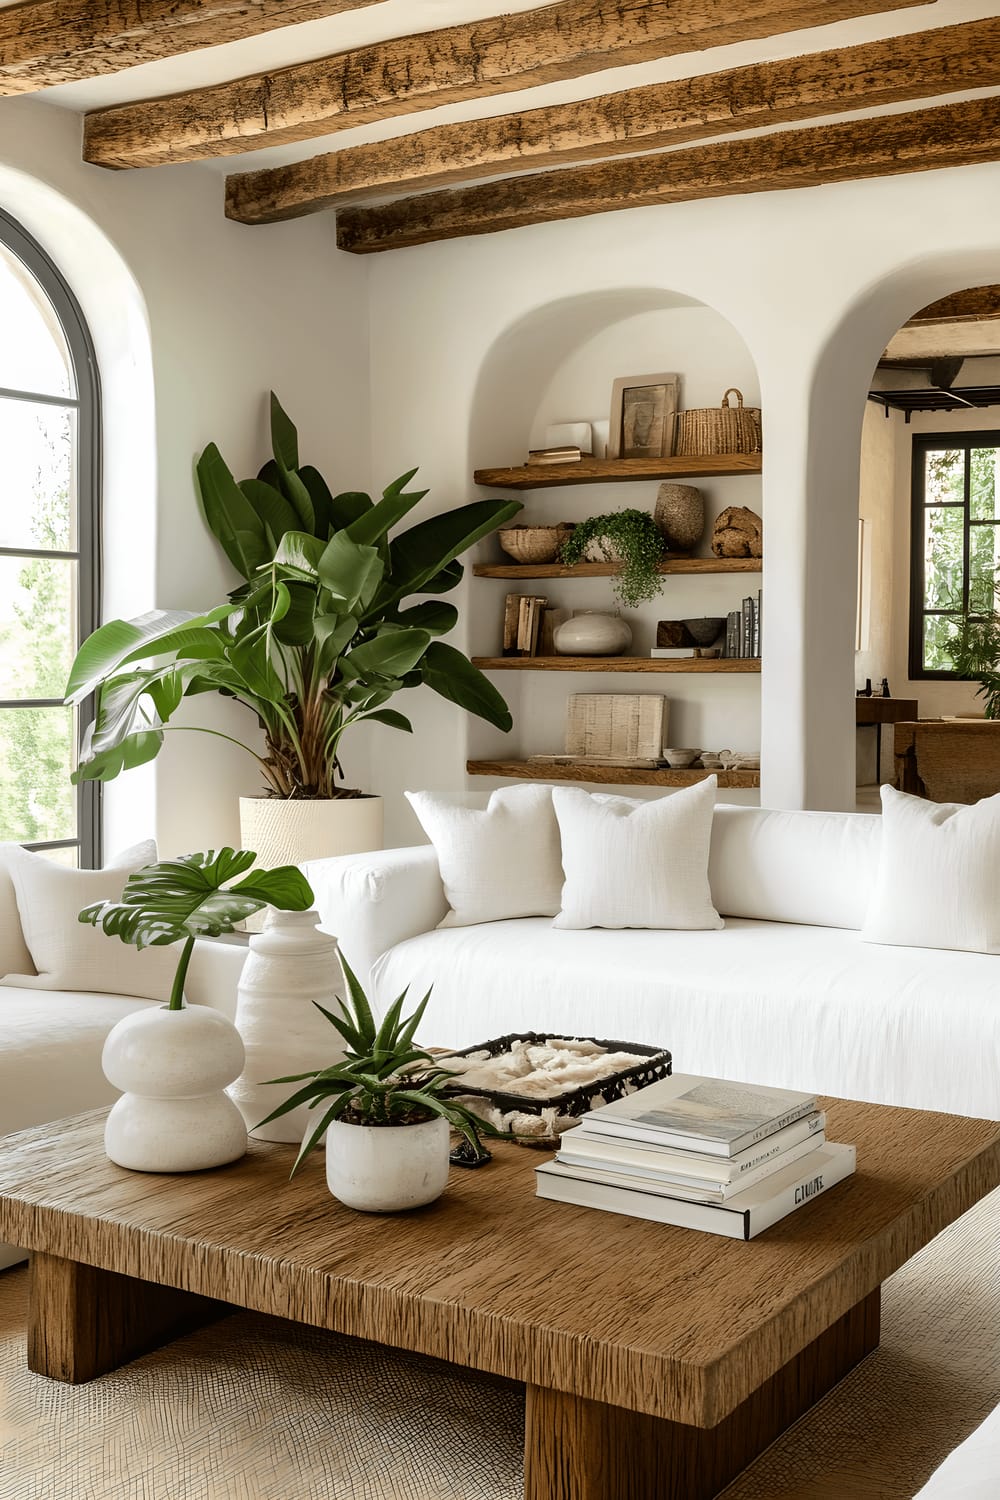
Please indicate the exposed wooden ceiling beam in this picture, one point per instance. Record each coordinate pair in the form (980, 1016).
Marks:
(399, 76)
(951, 135)
(918, 66)
(45, 42)
(973, 306)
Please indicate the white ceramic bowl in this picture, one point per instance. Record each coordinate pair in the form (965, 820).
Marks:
(679, 760)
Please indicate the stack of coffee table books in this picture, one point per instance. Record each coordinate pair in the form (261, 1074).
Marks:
(702, 1153)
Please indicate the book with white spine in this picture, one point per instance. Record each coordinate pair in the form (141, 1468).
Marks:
(715, 1171)
(716, 1116)
(741, 1217)
(634, 1172)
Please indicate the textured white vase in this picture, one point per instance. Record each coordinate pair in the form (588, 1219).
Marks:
(291, 964)
(174, 1114)
(592, 633)
(384, 1169)
(288, 832)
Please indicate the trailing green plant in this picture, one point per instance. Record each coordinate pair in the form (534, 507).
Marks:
(318, 637)
(379, 1081)
(629, 536)
(179, 900)
(975, 652)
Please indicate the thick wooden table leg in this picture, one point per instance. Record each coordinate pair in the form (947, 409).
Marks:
(83, 1322)
(576, 1449)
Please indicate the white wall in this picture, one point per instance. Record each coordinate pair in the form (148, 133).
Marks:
(209, 315)
(813, 300)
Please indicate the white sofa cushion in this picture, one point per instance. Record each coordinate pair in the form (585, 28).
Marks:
(66, 953)
(972, 1471)
(937, 883)
(14, 956)
(794, 1006)
(496, 862)
(817, 868)
(636, 864)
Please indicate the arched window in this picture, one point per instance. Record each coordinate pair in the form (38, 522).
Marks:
(49, 548)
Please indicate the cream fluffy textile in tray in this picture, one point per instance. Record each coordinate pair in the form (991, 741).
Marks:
(538, 1070)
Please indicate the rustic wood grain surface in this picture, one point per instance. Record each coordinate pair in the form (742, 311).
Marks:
(533, 770)
(724, 664)
(660, 1320)
(620, 470)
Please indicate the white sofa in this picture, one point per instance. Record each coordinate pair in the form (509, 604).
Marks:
(51, 1040)
(786, 994)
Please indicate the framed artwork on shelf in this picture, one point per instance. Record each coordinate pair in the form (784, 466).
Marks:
(643, 408)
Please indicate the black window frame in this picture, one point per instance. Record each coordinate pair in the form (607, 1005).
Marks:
(87, 404)
(923, 443)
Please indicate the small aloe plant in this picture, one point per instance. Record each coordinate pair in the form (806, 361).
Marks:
(379, 1082)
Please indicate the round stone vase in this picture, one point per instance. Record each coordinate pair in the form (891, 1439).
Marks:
(592, 633)
(680, 515)
(386, 1169)
(174, 1114)
(291, 965)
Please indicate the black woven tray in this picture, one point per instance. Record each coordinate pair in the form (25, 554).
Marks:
(572, 1101)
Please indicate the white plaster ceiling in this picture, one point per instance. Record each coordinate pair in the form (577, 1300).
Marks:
(391, 18)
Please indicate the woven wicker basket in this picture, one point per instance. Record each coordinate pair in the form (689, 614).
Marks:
(533, 544)
(720, 429)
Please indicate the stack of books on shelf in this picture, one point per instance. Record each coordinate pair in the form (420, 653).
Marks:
(528, 625)
(701, 1153)
(743, 628)
(563, 455)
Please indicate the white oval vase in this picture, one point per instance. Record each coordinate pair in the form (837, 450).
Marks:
(174, 1114)
(384, 1169)
(291, 964)
(287, 831)
(592, 633)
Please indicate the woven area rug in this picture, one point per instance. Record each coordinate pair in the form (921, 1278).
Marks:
(254, 1408)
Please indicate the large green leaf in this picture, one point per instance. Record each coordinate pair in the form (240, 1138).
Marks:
(437, 618)
(392, 718)
(452, 675)
(230, 516)
(387, 654)
(107, 764)
(294, 627)
(284, 438)
(122, 641)
(346, 508)
(377, 521)
(182, 898)
(421, 553)
(322, 500)
(350, 572)
(299, 552)
(271, 506)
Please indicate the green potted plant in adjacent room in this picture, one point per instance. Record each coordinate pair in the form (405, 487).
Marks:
(383, 1109)
(318, 638)
(173, 1061)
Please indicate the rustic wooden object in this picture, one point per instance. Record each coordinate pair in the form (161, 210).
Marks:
(951, 135)
(975, 305)
(688, 565)
(591, 1451)
(533, 770)
(738, 532)
(948, 761)
(83, 1321)
(918, 66)
(617, 663)
(404, 74)
(697, 1326)
(615, 725)
(619, 470)
(876, 710)
(45, 42)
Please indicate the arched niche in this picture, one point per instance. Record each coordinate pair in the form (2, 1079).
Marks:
(557, 364)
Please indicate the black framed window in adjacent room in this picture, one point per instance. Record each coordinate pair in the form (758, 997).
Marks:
(49, 548)
(955, 541)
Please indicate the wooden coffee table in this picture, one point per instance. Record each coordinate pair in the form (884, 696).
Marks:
(658, 1362)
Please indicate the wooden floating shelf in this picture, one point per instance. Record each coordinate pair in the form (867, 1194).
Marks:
(617, 663)
(619, 470)
(690, 565)
(530, 770)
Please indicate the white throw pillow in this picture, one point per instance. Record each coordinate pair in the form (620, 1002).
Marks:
(937, 881)
(636, 864)
(68, 954)
(496, 862)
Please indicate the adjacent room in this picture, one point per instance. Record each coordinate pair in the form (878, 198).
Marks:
(499, 750)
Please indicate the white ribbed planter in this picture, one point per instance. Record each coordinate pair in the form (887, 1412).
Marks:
(384, 1169)
(291, 964)
(288, 832)
(174, 1114)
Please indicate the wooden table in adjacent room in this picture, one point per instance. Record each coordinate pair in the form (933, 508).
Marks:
(872, 712)
(657, 1361)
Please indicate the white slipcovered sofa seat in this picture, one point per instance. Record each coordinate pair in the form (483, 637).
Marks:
(786, 994)
(51, 1040)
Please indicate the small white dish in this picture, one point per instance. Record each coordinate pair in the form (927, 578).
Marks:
(679, 760)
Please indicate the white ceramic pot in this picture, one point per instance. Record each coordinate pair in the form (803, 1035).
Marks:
(174, 1114)
(288, 832)
(290, 965)
(383, 1169)
(592, 633)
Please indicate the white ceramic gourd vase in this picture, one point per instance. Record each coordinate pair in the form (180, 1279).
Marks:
(592, 632)
(384, 1169)
(290, 964)
(174, 1114)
